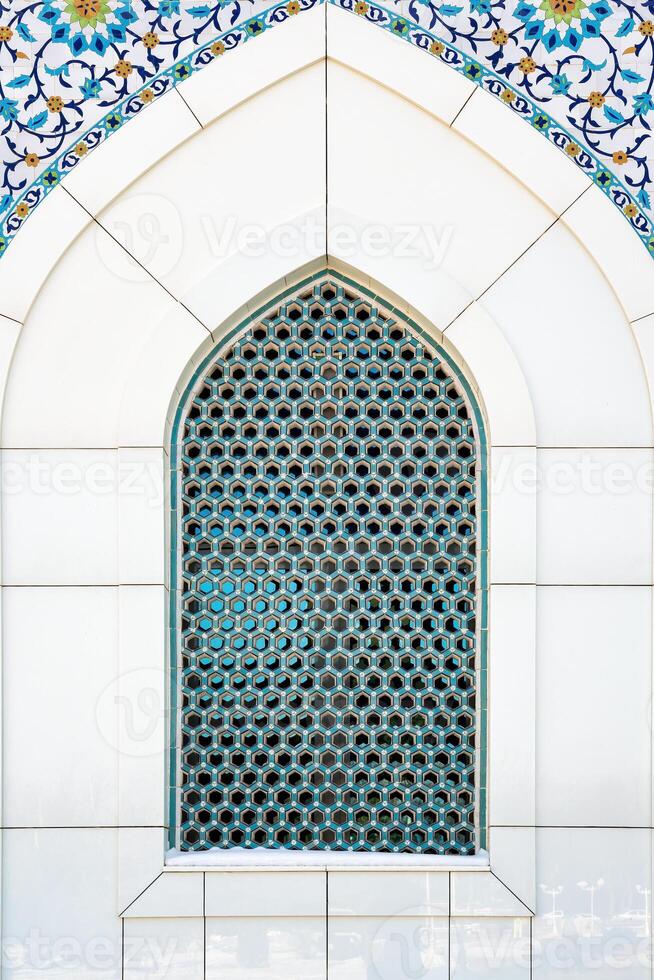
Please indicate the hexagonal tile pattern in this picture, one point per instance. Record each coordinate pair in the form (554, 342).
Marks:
(327, 527)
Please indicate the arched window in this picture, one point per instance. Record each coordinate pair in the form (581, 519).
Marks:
(328, 530)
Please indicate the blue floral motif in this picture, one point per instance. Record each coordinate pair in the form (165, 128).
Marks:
(87, 25)
(74, 71)
(560, 84)
(562, 23)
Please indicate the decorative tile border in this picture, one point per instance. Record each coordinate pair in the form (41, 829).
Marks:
(517, 99)
(138, 87)
(74, 71)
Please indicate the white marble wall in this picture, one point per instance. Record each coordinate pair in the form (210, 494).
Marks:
(530, 277)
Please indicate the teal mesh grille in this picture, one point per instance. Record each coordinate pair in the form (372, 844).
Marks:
(328, 641)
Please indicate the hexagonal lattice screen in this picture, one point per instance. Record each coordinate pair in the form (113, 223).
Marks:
(327, 528)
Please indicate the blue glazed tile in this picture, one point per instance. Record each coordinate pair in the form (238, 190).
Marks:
(72, 72)
(328, 654)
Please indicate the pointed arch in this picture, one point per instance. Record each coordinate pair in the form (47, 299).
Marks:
(501, 62)
(328, 596)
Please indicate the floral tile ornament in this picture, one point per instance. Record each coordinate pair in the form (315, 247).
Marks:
(72, 72)
(596, 112)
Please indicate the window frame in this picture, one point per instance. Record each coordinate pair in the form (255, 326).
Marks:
(234, 331)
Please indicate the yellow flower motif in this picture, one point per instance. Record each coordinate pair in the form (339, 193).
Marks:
(218, 48)
(499, 37)
(572, 149)
(630, 210)
(596, 99)
(123, 68)
(293, 7)
(81, 149)
(147, 95)
(150, 40)
(22, 210)
(620, 157)
(6, 33)
(527, 66)
(562, 10)
(55, 103)
(361, 7)
(646, 28)
(31, 160)
(508, 95)
(87, 13)
(436, 47)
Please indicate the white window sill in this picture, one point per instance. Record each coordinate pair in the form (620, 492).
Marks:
(261, 858)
